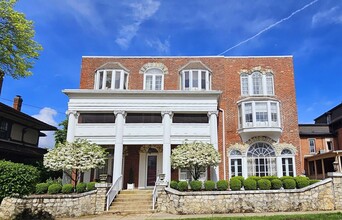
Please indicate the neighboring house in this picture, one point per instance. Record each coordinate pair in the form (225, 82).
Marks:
(321, 144)
(19, 134)
(139, 108)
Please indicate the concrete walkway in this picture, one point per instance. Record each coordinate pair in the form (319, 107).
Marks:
(171, 216)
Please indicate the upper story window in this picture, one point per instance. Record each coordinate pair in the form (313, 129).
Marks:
(190, 118)
(96, 118)
(154, 79)
(5, 129)
(256, 84)
(143, 118)
(312, 146)
(111, 76)
(195, 76)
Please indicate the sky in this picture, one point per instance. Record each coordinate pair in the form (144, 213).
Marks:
(310, 30)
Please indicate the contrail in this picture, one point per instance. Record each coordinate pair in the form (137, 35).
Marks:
(269, 27)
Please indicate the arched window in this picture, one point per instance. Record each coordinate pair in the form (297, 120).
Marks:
(235, 163)
(287, 162)
(154, 79)
(257, 83)
(261, 160)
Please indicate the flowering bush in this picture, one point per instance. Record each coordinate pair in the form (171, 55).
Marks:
(80, 155)
(195, 157)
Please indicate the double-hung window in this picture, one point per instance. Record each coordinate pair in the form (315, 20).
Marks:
(154, 79)
(312, 145)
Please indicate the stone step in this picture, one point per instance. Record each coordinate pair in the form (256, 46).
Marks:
(130, 206)
(136, 192)
(132, 199)
(130, 212)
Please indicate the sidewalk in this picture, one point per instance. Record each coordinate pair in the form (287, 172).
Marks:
(171, 216)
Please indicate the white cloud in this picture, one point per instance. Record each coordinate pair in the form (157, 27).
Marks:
(331, 16)
(141, 11)
(47, 115)
(162, 47)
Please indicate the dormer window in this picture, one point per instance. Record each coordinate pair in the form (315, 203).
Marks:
(154, 79)
(111, 76)
(257, 84)
(195, 76)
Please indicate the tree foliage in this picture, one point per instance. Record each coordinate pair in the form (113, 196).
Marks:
(61, 134)
(18, 50)
(79, 156)
(195, 157)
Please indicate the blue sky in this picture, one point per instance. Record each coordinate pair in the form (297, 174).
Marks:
(70, 29)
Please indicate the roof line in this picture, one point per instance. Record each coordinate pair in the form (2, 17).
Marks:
(134, 57)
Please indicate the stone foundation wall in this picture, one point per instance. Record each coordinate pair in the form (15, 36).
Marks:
(319, 196)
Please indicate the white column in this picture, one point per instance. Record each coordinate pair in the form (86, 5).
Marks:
(72, 116)
(279, 167)
(167, 116)
(118, 149)
(214, 172)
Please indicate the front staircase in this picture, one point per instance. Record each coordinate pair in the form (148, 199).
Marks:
(132, 202)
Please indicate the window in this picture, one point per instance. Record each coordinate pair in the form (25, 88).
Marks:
(274, 112)
(287, 162)
(111, 79)
(248, 112)
(195, 80)
(154, 79)
(5, 129)
(329, 145)
(261, 160)
(96, 118)
(143, 118)
(257, 83)
(312, 147)
(190, 118)
(261, 112)
(235, 163)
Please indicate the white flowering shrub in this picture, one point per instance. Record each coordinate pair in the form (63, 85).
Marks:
(195, 157)
(78, 156)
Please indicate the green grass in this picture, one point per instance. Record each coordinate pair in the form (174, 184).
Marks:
(324, 216)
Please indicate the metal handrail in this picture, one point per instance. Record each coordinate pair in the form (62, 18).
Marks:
(113, 191)
(155, 193)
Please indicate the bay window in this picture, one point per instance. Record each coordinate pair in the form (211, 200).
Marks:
(195, 80)
(111, 79)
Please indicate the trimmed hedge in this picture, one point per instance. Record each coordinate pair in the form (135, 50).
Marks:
(270, 178)
(289, 183)
(250, 184)
(301, 181)
(256, 178)
(313, 181)
(91, 186)
(235, 184)
(174, 184)
(17, 178)
(67, 188)
(209, 185)
(54, 188)
(182, 186)
(196, 185)
(42, 188)
(81, 187)
(264, 184)
(222, 185)
(242, 180)
(276, 184)
(285, 177)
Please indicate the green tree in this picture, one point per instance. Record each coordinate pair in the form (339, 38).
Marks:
(61, 134)
(18, 50)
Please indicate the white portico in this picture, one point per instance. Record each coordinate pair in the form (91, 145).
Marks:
(135, 119)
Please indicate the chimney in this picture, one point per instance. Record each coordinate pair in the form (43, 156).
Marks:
(18, 101)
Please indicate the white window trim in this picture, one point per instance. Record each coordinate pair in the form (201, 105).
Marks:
(250, 84)
(104, 79)
(199, 86)
(314, 145)
(326, 144)
(154, 81)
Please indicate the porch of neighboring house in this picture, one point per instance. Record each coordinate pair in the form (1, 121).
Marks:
(317, 166)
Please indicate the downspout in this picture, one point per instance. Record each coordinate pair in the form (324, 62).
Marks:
(223, 144)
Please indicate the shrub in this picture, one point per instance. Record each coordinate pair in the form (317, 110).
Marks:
(91, 186)
(301, 181)
(182, 185)
(54, 188)
(235, 184)
(242, 180)
(209, 185)
(285, 177)
(17, 178)
(264, 184)
(42, 188)
(196, 185)
(174, 184)
(222, 185)
(313, 181)
(67, 188)
(51, 181)
(276, 184)
(81, 187)
(250, 184)
(270, 178)
(256, 178)
(289, 183)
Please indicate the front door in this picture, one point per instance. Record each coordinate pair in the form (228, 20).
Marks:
(151, 170)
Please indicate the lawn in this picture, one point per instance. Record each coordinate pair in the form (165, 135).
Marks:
(327, 216)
